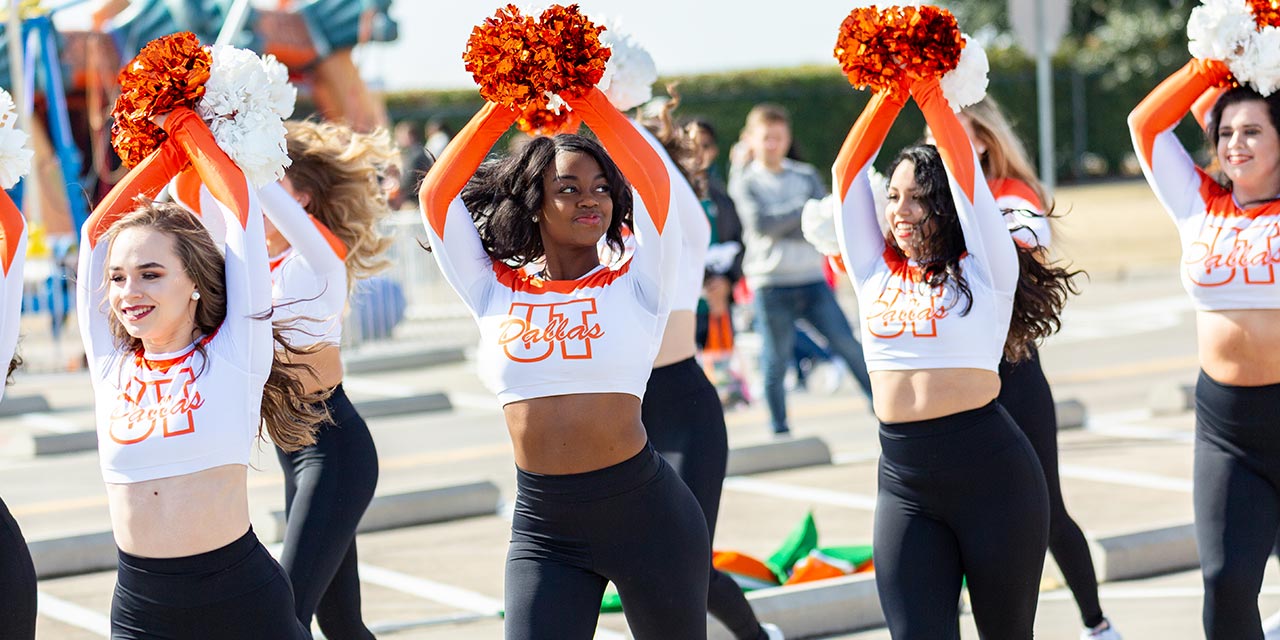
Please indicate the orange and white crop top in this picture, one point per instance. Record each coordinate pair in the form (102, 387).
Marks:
(13, 254)
(308, 280)
(906, 324)
(597, 334)
(1229, 254)
(161, 415)
(695, 231)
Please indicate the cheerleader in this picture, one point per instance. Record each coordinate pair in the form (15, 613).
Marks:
(17, 573)
(185, 375)
(1024, 391)
(961, 493)
(1226, 227)
(568, 351)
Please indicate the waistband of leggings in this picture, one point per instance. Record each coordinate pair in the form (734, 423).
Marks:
(676, 379)
(339, 405)
(1248, 412)
(214, 560)
(591, 485)
(948, 439)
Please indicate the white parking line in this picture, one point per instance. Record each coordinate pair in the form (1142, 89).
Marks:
(378, 387)
(55, 423)
(1127, 478)
(801, 493)
(430, 590)
(73, 614)
(1128, 424)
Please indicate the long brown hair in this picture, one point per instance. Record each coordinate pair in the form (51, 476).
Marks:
(290, 414)
(1005, 156)
(1043, 287)
(341, 170)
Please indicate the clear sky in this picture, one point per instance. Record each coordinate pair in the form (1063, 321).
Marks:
(682, 35)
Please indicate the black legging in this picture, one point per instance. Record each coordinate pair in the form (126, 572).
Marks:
(236, 592)
(685, 423)
(1237, 501)
(327, 487)
(17, 582)
(1025, 394)
(961, 496)
(634, 523)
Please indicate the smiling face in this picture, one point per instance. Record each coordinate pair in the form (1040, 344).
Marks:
(149, 290)
(905, 212)
(577, 202)
(1249, 151)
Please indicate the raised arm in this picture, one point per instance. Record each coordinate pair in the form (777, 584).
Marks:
(309, 237)
(1172, 173)
(858, 231)
(986, 234)
(1023, 213)
(13, 251)
(695, 230)
(657, 234)
(450, 229)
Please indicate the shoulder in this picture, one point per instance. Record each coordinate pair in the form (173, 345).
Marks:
(801, 168)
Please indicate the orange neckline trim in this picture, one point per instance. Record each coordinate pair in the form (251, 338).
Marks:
(518, 280)
(141, 360)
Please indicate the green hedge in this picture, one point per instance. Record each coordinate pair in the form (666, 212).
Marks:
(1089, 114)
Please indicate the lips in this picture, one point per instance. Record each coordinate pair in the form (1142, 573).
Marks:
(136, 313)
(589, 219)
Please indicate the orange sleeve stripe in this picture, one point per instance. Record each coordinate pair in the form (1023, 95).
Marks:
(217, 170)
(338, 246)
(1015, 188)
(1166, 105)
(144, 180)
(865, 138)
(1204, 104)
(11, 225)
(459, 161)
(953, 142)
(642, 166)
(187, 186)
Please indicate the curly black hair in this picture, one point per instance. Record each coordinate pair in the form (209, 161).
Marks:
(505, 194)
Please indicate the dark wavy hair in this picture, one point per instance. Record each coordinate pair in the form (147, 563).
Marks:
(1042, 288)
(1237, 95)
(505, 194)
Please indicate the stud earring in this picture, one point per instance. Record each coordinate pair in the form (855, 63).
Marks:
(195, 295)
(535, 218)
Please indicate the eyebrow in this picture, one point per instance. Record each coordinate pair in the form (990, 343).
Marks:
(147, 265)
(565, 177)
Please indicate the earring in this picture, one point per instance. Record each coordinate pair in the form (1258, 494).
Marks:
(195, 295)
(535, 218)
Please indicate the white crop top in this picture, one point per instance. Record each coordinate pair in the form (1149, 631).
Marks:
(171, 414)
(1023, 212)
(695, 231)
(1229, 254)
(906, 324)
(597, 334)
(13, 254)
(308, 280)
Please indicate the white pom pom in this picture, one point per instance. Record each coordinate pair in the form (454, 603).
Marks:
(630, 72)
(967, 83)
(246, 101)
(818, 223)
(1219, 29)
(1259, 63)
(15, 157)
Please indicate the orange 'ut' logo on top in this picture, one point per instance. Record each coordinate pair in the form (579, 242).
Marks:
(532, 332)
(145, 404)
(1223, 250)
(901, 306)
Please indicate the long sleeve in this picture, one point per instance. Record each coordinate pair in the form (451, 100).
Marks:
(857, 230)
(450, 229)
(13, 252)
(1172, 173)
(986, 234)
(657, 234)
(308, 236)
(1023, 212)
(695, 230)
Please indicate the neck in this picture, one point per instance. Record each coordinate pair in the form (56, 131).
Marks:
(177, 342)
(1249, 197)
(276, 245)
(570, 265)
(771, 164)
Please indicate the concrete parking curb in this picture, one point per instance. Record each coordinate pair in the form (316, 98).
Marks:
(45, 444)
(73, 555)
(379, 360)
(778, 455)
(412, 508)
(1171, 399)
(18, 405)
(839, 605)
(1071, 414)
(1148, 552)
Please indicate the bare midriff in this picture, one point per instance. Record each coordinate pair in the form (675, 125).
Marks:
(575, 433)
(679, 339)
(326, 365)
(924, 394)
(180, 516)
(1238, 347)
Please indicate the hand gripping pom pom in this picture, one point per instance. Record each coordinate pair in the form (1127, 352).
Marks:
(15, 157)
(516, 60)
(168, 73)
(894, 46)
(1244, 34)
(538, 121)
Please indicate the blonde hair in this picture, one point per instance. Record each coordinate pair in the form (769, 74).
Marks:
(1005, 157)
(767, 113)
(341, 170)
(290, 414)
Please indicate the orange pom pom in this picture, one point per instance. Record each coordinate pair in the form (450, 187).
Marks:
(889, 48)
(537, 121)
(517, 60)
(168, 73)
(1266, 12)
